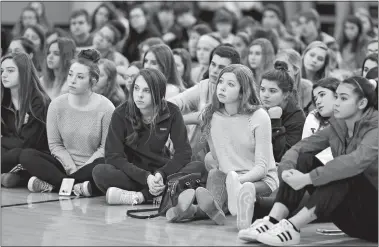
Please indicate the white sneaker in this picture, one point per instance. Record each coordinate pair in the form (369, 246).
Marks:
(259, 226)
(282, 234)
(83, 189)
(245, 205)
(233, 187)
(37, 185)
(118, 196)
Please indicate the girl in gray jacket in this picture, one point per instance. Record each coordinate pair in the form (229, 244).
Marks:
(336, 187)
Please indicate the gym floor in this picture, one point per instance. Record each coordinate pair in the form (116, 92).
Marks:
(45, 219)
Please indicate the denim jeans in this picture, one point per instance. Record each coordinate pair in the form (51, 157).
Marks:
(216, 185)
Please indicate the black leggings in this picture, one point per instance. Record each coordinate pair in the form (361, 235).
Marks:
(9, 159)
(106, 176)
(47, 168)
(352, 203)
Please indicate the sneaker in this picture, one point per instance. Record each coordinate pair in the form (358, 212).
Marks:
(37, 185)
(83, 189)
(259, 226)
(116, 196)
(233, 186)
(209, 206)
(282, 234)
(184, 209)
(245, 205)
(10, 180)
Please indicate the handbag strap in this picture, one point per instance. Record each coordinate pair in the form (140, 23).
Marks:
(132, 213)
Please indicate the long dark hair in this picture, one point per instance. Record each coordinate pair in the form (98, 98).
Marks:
(356, 42)
(67, 51)
(166, 63)
(112, 14)
(112, 90)
(156, 82)
(30, 50)
(328, 83)
(187, 62)
(29, 87)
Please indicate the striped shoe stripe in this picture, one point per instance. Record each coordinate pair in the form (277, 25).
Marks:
(284, 235)
(289, 235)
(281, 239)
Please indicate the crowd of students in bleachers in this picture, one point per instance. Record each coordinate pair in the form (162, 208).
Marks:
(264, 111)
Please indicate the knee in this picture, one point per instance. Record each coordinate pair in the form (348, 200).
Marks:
(100, 175)
(26, 155)
(210, 162)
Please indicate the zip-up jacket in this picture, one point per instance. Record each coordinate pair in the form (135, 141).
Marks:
(33, 131)
(149, 154)
(352, 156)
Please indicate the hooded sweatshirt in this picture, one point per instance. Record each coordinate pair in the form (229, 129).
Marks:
(353, 156)
(149, 154)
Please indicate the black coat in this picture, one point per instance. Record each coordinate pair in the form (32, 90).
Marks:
(149, 154)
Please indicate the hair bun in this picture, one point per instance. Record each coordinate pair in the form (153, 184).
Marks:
(280, 65)
(90, 54)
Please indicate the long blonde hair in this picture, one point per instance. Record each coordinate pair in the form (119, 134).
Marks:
(250, 100)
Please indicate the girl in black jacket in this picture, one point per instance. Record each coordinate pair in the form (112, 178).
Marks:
(24, 106)
(279, 97)
(138, 161)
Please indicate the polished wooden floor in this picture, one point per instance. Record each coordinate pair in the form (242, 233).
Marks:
(45, 219)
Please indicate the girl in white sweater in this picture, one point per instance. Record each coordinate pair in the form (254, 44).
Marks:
(238, 131)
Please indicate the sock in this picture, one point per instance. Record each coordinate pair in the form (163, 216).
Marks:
(273, 220)
(294, 227)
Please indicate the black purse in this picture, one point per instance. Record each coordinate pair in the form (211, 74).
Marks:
(177, 183)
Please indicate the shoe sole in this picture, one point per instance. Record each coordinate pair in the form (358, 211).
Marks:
(185, 201)
(232, 197)
(268, 242)
(87, 189)
(207, 204)
(108, 195)
(30, 183)
(247, 237)
(245, 206)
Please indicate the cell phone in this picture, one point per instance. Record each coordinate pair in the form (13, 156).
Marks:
(66, 187)
(330, 231)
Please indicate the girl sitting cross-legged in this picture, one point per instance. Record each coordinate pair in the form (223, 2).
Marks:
(77, 126)
(138, 161)
(238, 131)
(24, 106)
(345, 188)
(324, 96)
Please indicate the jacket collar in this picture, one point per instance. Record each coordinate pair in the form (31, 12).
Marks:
(163, 114)
(369, 118)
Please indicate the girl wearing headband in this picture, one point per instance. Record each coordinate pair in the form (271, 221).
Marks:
(336, 187)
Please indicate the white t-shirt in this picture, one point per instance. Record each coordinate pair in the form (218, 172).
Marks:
(311, 126)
